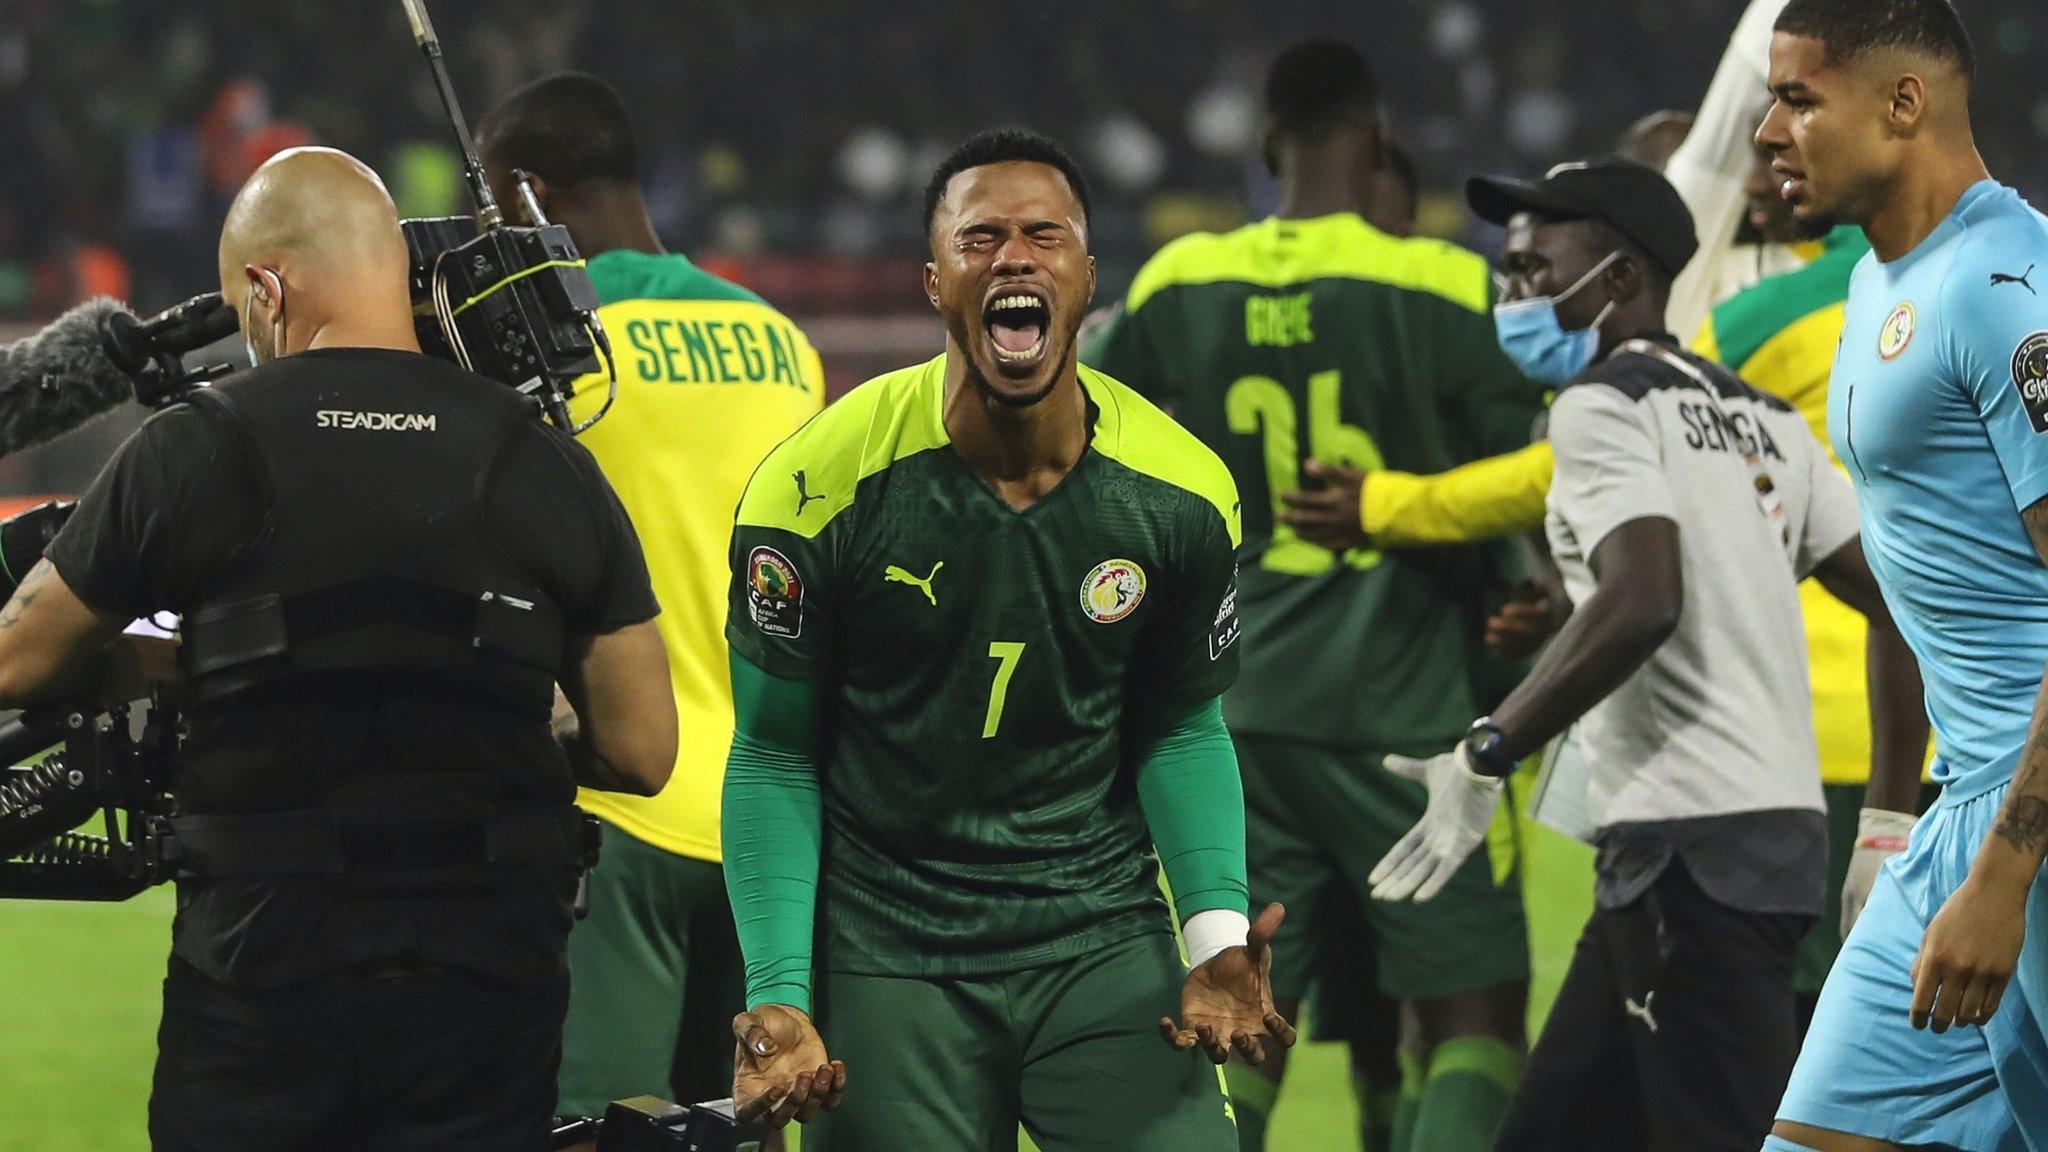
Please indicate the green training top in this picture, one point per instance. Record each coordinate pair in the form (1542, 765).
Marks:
(623, 274)
(987, 676)
(1291, 340)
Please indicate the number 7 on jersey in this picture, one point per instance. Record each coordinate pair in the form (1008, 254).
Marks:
(1006, 653)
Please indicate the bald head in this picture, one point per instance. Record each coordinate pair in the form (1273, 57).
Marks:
(312, 255)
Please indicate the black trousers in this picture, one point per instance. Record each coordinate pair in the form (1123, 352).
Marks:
(445, 1060)
(1674, 1031)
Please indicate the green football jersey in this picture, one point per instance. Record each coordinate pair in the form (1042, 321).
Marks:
(987, 675)
(1294, 340)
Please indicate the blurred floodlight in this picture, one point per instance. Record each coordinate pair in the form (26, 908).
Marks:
(1127, 154)
(873, 162)
(1223, 119)
(1456, 30)
(1539, 122)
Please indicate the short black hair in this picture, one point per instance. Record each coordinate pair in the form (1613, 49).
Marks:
(1315, 84)
(1849, 28)
(566, 129)
(1000, 146)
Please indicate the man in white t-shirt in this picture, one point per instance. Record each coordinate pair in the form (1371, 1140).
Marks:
(1685, 510)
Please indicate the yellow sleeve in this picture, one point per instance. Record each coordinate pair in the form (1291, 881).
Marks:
(1498, 496)
(1707, 342)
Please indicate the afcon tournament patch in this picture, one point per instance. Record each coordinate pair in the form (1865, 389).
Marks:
(1112, 590)
(1223, 633)
(1897, 331)
(775, 593)
(2030, 376)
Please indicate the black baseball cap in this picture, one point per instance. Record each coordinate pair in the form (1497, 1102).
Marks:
(1633, 199)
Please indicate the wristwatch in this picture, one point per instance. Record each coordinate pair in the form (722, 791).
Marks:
(1482, 744)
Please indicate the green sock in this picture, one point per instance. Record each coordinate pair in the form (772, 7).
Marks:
(1401, 1133)
(1465, 1094)
(1252, 1094)
(1377, 1105)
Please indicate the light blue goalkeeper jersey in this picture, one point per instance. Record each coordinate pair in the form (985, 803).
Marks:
(1939, 407)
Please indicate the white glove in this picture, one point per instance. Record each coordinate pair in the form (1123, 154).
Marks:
(1461, 804)
(1880, 835)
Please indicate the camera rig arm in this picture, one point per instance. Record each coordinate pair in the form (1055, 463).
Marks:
(102, 767)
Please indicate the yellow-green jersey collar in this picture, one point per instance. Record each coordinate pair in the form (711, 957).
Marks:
(812, 476)
(1276, 253)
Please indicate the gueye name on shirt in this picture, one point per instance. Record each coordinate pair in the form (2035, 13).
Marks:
(715, 352)
(1277, 321)
(1707, 428)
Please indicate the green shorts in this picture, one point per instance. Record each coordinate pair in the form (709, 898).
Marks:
(655, 979)
(1341, 1006)
(1069, 1050)
(1317, 820)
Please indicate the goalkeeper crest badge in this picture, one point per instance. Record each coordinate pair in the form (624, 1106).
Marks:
(775, 594)
(1113, 590)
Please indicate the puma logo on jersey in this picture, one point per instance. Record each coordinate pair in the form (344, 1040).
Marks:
(1642, 1011)
(803, 495)
(1998, 278)
(894, 575)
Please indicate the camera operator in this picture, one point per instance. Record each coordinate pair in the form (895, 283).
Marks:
(384, 566)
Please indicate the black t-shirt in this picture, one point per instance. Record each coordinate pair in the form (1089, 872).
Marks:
(180, 507)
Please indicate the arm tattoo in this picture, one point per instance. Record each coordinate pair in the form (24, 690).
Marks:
(2023, 818)
(25, 595)
(2024, 824)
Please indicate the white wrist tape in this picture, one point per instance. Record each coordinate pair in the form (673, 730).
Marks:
(1210, 932)
(1884, 829)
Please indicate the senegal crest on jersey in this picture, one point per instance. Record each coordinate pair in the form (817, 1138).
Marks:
(1112, 590)
(1897, 331)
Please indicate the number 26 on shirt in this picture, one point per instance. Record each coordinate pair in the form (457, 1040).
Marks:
(1261, 405)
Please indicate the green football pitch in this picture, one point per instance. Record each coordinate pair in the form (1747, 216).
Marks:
(79, 990)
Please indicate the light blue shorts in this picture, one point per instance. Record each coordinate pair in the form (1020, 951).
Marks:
(1866, 1070)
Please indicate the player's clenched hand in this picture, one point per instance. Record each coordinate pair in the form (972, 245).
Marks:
(781, 1072)
(1968, 954)
(1461, 804)
(1326, 513)
(1227, 1003)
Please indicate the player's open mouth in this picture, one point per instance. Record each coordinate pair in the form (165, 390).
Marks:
(1017, 320)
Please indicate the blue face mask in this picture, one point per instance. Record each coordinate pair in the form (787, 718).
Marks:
(1541, 347)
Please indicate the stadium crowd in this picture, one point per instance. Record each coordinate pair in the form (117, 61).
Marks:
(1361, 523)
(798, 129)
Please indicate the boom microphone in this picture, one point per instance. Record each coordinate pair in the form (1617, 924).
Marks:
(97, 355)
(59, 378)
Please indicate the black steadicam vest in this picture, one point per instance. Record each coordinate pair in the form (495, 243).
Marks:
(374, 568)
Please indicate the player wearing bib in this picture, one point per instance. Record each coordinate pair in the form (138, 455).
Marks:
(1938, 406)
(710, 379)
(981, 614)
(1309, 350)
